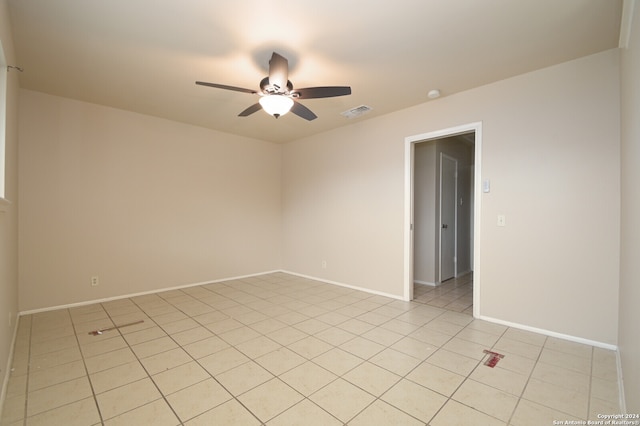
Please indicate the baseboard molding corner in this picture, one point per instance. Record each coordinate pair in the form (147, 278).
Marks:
(353, 287)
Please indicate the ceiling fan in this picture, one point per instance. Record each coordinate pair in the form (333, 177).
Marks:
(277, 96)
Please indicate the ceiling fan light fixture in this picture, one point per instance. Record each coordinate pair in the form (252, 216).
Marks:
(277, 95)
(276, 105)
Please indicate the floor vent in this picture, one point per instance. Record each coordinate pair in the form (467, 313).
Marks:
(357, 111)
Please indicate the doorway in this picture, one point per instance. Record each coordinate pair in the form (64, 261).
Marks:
(453, 251)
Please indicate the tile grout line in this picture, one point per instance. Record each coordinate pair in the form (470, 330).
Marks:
(26, 391)
(275, 376)
(513, 412)
(334, 347)
(86, 370)
(590, 383)
(524, 388)
(305, 397)
(29, 372)
(234, 397)
(164, 397)
(450, 397)
(142, 365)
(137, 359)
(404, 377)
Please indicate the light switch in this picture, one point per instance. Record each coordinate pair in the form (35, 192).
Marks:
(486, 186)
(502, 221)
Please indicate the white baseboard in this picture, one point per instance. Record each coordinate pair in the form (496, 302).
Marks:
(353, 287)
(144, 293)
(623, 401)
(7, 370)
(436, 284)
(430, 284)
(126, 296)
(551, 333)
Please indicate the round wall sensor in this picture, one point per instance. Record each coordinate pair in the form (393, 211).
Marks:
(435, 93)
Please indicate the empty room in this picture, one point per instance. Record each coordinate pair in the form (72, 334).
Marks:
(319, 213)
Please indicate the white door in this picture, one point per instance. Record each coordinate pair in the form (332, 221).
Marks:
(448, 213)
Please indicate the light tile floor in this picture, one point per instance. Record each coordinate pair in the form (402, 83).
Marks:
(283, 350)
(455, 294)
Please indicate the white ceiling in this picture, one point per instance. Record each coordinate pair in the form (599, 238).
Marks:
(145, 55)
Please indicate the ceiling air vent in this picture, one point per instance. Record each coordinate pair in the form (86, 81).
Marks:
(357, 111)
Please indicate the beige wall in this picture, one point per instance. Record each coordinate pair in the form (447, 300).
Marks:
(629, 313)
(8, 211)
(551, 149)
(142, 203)
(342, 191)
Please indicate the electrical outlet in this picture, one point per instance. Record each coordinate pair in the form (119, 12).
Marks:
(94, 281)
(324, 264)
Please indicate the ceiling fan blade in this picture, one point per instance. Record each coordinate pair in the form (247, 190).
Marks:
(302, 111)
(322, 92)
(278, 71)
(253, 108)
(223, 86)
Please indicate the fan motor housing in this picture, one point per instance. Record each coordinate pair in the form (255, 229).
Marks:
(271, 89)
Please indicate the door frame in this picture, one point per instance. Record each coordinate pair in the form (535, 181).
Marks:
(455, 218)
(409, 166)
